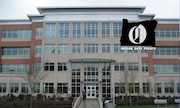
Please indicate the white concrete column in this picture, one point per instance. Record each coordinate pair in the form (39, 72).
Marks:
(112, 83)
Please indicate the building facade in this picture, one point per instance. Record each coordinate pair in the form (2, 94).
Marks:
(78, 49)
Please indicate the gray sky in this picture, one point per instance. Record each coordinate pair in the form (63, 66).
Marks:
(18, 9)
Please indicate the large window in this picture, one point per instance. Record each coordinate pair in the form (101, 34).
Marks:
(62, 88)
(105, 29)
(119, 66)
(64, 30)
(105, 48)
(24, 88)
(14, 87)
(76, 30)
(14, 68)
(63, 48)
(134, 87)
(16, 51)
(133, 66)
(119, 87)
(145, 67)
(37, 67)
(49, 87)
(166, 68)
(90, 48)
(18, 34)
(38, 49)
(62, 66)
(169, 87)
(117, 29)
(146, 87)
(39, 32)
(91, 30)
(178, 87)
(51, 30)
(49, 48)
(167, 33)
(3, 87)
(117, 48)
(158, 87)
(48, 66)
(167, 50)
(37, 88)
(76, 48)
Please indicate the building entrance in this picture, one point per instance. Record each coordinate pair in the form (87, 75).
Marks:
(91, 92)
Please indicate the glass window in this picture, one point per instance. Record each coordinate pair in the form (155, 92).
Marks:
(145, 67)
(117, 48)
(39, 32)
(146, 87)
(64, 30)
(50, 30)
(48, 66)
(117, 29)
(62, 88)
(166, 68)
(167, 33)
(37, 88)
(63, 48)
(132, 50)
(76, 30)
(17, 34)
(158, 88)
(24, 88)
(105, 48)
(133, 66)
(38, 49)
(62, 66)
(16, 51)
(37, 67)
(3, 87)
(161, 50)
(49, 87)
(91, 30)
(90, 48)
(119, 66)
(76, 48)
(49, 48)
(169, 87)
(15, 68)
(119, 87)
(178, 87)
(14, 87)
(105, 29)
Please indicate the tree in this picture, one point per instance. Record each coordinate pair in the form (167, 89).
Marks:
(33, 77)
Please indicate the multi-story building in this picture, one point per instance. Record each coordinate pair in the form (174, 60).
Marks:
(78, 48)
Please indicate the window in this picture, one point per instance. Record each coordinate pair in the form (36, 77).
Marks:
(37, 88)
(145, 67)
(105, 48)
(48, 66)
(3, 87)
(167, 33)
(158, 87)
(117, 29)
(50, 30)
(24, 88)
(76, 48)
(178, 87)
(14, 87)
(166, 68)
(105, 27)
(133, 66)
(17, 34)
(64, 30)
(49, 48)
(169, 87)
(37, 67)
(62, 66)
(39, 32)
(119, 87)
(16, 68)
(63, 48)
(91, 30)
(134, 87)
(119, 66)
(90, 48)
(49, 87)
(16, 51)
(167, 51)
(132, 50)
(62, 88)
(117, 48)
(146, 87)
(76, 30)
(144, 51)
(38, 49)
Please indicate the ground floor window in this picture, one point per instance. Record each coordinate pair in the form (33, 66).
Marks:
(2, 87)
(24, 88)
(49, 87)
(169, 87)
(37, 88)
(146, 87)
(62, 87)
(14, 87)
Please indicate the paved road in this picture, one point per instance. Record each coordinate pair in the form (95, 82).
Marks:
(89, 103)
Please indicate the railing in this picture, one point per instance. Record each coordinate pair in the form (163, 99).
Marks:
(76, 102)
(100, 102)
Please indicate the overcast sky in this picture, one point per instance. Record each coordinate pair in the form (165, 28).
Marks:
(18, 9)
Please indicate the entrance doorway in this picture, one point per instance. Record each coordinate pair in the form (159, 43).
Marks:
(90, 91)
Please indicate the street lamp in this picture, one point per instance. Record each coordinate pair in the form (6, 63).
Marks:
(10, 82)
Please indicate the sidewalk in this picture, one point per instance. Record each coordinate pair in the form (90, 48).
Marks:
(89, 103)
